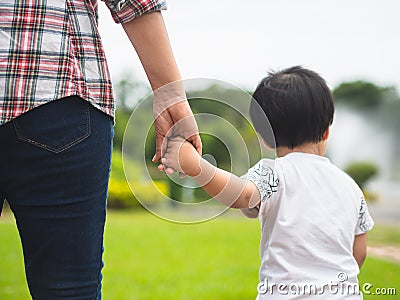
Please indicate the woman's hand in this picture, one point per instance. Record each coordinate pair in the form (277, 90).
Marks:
(176, 120)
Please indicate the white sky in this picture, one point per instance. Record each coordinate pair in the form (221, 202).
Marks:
(239, 41)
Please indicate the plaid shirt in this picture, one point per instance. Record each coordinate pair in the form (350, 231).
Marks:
(50, 49)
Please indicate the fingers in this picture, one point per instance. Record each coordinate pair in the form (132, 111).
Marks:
(167, 158)
(164, 167)
(168, 151)
(157, 156)
(159, 153)
(161, 149)
(168, 170)
(196, 142)
(170, 159)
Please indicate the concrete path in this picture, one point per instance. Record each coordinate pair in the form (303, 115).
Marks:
(386, 252)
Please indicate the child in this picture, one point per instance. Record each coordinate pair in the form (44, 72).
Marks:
(314, 219)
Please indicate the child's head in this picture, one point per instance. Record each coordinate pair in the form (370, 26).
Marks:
(298, 105)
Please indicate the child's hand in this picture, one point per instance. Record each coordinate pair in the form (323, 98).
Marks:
(181, 156)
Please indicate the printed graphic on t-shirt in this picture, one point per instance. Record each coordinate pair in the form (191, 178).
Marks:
(265, 179)
(363, 216)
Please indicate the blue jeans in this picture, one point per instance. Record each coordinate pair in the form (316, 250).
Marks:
(54, 171)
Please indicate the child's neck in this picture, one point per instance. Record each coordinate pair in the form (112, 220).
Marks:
(310, 148)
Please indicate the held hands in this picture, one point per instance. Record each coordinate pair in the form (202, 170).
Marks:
(181, 156)
(173, 118)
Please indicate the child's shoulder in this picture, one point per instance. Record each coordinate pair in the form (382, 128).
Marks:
(263, 167)
(312, 164)
(331, 174)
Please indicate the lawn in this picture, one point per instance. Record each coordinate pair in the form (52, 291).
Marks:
(148, 258)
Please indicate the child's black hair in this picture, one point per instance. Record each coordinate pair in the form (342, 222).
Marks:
(298, 105)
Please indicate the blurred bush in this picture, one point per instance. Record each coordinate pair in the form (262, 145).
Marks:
(362, 172)
(120, 195)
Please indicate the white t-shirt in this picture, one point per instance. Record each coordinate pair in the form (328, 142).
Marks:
(310, 213)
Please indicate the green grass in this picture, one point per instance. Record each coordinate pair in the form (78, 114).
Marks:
(380, 274)
(148, 258)
(155, 259)
(383, 234)
(12, 278)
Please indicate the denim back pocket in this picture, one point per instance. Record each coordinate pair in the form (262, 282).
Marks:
(55, 126)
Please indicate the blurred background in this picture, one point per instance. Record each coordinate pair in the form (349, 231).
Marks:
(354, 45)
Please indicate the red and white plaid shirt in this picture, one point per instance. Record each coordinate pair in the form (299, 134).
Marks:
(50, 49)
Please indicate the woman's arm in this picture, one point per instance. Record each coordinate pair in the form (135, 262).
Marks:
(149, 37)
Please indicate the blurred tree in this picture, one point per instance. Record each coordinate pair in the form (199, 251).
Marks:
(175, 190)
(121, 119)
(125, 89)
(380, 107)
(232, 106)
(361, 94)
(150, 145)
(127, 93)
(215, 147)
(390, 94)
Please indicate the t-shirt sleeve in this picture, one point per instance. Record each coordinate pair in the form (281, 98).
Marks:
(365, 222)
(124, 11)
(266, 180)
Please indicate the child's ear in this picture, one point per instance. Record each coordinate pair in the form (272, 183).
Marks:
(326, 134)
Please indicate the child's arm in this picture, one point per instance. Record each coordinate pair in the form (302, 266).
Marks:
(360, 248)
(225, 187)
